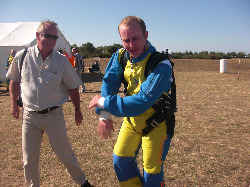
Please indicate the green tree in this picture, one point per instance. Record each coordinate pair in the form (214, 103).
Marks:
(74, 45)
(113, 48)
(87, 49)
(241, 55)
(231, 54)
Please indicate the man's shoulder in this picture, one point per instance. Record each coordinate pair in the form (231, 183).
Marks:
(158, 61)
(158, 57)
(20, 53)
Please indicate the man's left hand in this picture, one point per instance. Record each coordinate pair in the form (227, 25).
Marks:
(105, 128)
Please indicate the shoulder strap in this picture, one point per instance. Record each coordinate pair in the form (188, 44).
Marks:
(154, 60)
(123, 58)
(22, 59)
(123, 61)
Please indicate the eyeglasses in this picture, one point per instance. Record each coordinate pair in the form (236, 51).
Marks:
(51, 36)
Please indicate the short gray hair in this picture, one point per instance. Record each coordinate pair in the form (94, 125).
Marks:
(131, 20)
(44, 24)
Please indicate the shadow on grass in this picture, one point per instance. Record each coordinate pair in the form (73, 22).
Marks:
(92, 91)
(97, 91)
(4, 93)
(92, 77)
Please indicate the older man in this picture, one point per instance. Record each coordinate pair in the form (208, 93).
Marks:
(46, 79)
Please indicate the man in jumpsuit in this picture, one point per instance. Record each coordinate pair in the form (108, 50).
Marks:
(46, 80)
(135, 107)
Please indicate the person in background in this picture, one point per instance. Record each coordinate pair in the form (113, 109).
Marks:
(136, 107)
(78, 65)
(7, 65)
(71, 58)
(46, 79)
(95, 67)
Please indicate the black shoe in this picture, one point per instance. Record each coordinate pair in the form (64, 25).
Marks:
(83, 89)
(86, 184)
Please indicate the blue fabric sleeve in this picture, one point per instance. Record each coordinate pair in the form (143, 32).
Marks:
(157, 82)
(111, 81)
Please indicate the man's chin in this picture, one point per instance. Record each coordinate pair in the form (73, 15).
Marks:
(134, 54)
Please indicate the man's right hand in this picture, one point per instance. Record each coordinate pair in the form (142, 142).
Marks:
(15, 111)
(14, 88)
(105, 128)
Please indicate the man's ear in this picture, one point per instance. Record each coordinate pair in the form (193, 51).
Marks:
(37, 36)
(146, 35)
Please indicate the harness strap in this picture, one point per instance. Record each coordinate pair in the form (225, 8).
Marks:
(123, 62)
(156, 119)
(165, 110)
(21, 62)
(19, 100)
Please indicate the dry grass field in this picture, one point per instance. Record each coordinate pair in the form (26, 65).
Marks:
(211, 146)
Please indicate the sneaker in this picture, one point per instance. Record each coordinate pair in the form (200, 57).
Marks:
(86, 184)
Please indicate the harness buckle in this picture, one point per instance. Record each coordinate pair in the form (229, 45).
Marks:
(154, 123)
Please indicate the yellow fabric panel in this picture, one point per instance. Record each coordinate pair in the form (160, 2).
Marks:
(134, 182)
(127, 142)
(134, 76)
(139, 122)
(152, 152)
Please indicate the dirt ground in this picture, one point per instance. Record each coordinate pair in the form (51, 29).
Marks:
(210, 146)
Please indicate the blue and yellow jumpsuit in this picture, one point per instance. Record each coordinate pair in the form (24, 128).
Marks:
(136, 109)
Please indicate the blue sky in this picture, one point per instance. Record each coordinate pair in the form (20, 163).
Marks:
(180, 25)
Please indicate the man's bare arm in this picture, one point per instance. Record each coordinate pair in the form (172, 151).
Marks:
(14, 88)
(75, 97)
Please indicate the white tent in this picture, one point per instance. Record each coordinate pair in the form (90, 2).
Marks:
(19, 35)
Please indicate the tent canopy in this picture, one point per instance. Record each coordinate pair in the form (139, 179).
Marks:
(18, 35)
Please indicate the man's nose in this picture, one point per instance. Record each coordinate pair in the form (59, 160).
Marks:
(131, 44)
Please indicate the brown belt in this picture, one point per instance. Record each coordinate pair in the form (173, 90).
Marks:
(45, 111)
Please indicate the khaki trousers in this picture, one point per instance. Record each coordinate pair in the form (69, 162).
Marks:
(53, 124)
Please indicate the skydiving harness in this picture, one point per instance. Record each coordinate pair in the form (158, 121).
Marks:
(165, 106)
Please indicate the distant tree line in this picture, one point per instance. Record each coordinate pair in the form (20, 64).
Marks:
(208, 55)
(89, 50)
